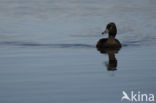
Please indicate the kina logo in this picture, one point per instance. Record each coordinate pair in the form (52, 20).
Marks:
(137, 96)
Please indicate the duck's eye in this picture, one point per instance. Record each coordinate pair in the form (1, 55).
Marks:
(108, 26)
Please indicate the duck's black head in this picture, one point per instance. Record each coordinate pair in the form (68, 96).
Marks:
(111, 29)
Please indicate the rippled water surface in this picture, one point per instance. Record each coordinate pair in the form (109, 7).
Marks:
(48, 50)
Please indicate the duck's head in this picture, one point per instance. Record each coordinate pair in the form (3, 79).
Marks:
(111, 29)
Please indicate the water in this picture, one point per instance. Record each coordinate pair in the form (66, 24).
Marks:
(48, 53)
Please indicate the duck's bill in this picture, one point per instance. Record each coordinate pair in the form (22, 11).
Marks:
(106, 31)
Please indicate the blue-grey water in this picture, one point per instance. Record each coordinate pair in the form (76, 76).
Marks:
(48, 50)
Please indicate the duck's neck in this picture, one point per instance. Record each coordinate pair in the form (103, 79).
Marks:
(111, 39)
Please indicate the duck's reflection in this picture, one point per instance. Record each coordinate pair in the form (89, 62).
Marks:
(112, 63)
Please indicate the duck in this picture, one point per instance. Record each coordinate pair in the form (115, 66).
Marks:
(110, 42)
